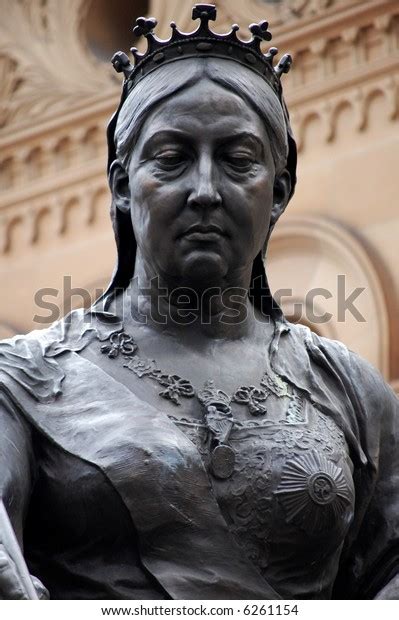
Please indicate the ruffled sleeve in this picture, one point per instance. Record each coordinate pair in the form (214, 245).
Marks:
(30, 361)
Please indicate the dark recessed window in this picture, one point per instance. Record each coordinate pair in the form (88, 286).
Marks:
(107, 26)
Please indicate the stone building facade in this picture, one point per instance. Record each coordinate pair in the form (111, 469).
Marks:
(337, 242)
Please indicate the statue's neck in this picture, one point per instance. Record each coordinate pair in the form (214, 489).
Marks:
(218, 310)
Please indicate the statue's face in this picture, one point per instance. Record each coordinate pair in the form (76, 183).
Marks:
(201, 183)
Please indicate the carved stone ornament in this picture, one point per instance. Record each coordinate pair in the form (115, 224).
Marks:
(279, 12)
(303, 8)
(45, 66)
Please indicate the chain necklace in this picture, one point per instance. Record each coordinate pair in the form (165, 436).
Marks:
(215, 403)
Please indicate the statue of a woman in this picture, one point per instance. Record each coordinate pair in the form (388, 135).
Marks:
(181, 439)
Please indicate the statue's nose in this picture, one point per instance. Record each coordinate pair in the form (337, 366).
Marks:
(205, 192)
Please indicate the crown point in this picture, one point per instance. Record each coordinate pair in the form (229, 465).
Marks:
(284, 65)
(204, 12)
(121, 62)
(270, 54)
(235, 27)
(260, 31)
(135, 53)
(173, 25)
(144, 26)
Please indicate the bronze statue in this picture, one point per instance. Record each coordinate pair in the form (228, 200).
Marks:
(181, 439)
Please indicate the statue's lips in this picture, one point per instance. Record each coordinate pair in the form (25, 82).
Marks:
(200, 232)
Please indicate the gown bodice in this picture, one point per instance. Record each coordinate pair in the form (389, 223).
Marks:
(290, 496)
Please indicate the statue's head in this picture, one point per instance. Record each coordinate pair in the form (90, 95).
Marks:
(202, 160)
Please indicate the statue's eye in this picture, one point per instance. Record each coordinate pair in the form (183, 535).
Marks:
(241, 162)
(170, 159)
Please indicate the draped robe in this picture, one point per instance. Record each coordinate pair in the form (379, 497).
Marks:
(113, 500)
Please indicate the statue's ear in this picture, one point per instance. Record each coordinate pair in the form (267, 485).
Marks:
(281, 195)
(119, 185)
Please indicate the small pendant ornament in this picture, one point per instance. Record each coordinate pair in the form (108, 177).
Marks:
(222, 461)
(219, 421)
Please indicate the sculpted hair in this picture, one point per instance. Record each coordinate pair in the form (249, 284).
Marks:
(171, 79)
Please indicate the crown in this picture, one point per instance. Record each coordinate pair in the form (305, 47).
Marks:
(202, 42)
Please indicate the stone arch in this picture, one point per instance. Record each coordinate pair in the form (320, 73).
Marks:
(72, 217)
(92, 141)
(62, 153)
(376, 108)
(34, 163)
(330, 263)
(343, 120)
(7, 173)
(311, 130)
(16, 235)
(44, 228)
(100, 206)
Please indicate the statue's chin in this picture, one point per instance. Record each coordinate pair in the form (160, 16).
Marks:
(204, 269)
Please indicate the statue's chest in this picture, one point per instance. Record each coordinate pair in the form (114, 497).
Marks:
(291, 485)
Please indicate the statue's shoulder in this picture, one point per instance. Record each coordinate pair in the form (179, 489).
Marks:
(24, 363)
(346, 365)
(31, 361)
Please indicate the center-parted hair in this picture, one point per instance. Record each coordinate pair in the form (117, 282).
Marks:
(174, 78)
